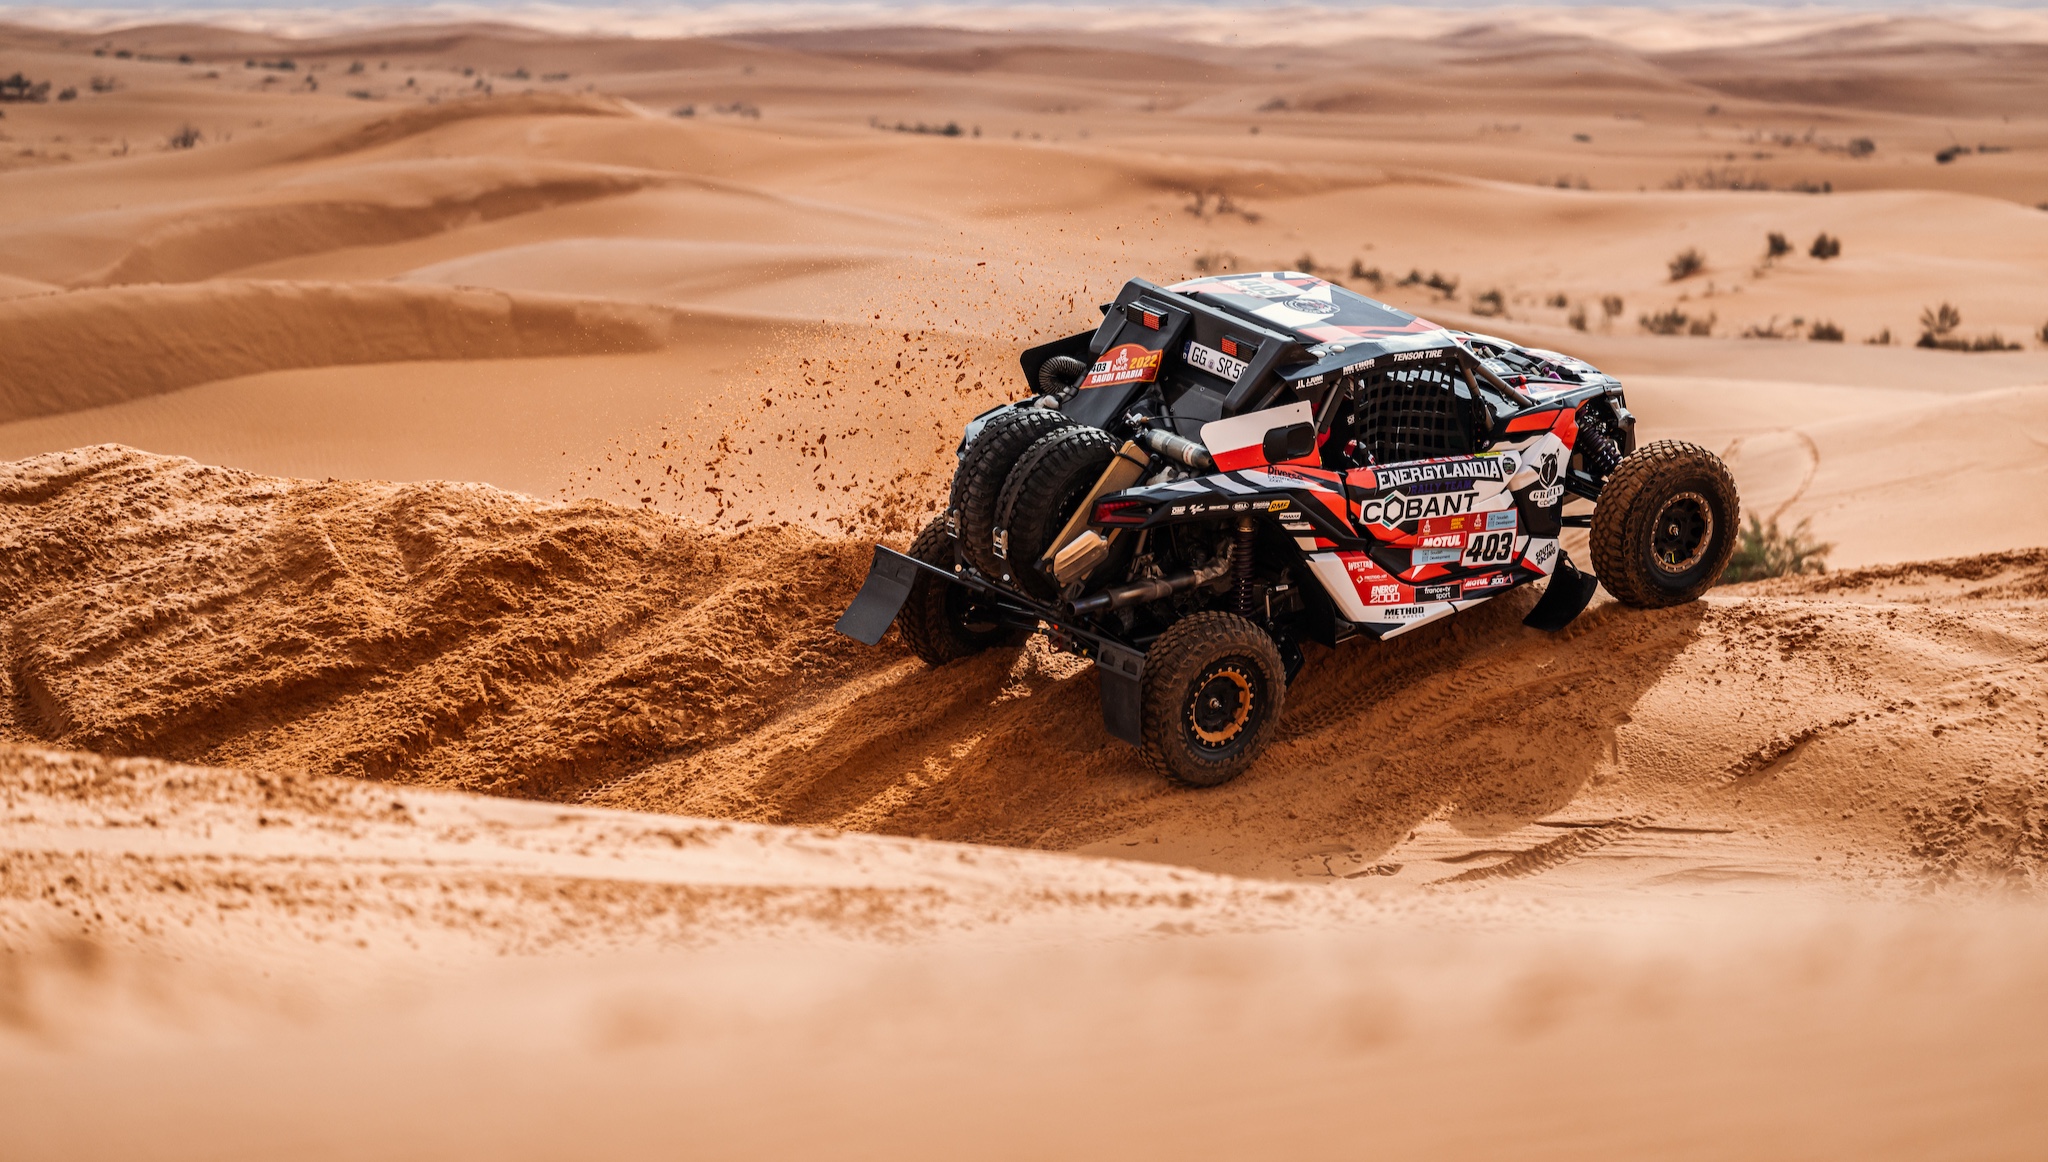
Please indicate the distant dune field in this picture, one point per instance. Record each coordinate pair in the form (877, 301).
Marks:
(397, 421)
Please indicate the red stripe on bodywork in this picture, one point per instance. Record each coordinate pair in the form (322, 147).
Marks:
(1536, 421)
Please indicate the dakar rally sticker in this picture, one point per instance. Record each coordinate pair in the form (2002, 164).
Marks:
(1436, 593)
(1446, 525)
(1127, 363)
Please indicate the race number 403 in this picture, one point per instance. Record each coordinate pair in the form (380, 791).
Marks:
(1215, 362)
(1496, 548)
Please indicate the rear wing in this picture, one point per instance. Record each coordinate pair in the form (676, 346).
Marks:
(1209, 363)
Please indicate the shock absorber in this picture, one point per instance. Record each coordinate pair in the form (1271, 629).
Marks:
(1596, 444)
(1241, 565)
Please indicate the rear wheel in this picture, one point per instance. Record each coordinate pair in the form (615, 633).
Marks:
(1665, 526)
(942, 622)
(978, 484)
(1043, 491)
(1213, 689)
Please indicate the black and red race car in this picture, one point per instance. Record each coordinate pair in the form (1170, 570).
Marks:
(1230, 467)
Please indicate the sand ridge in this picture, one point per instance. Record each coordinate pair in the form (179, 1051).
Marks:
(458, 636)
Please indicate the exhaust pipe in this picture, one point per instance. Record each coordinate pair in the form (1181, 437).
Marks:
(1178, 448)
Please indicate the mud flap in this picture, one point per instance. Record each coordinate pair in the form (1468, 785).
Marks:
(1564, 599)
(881, 597)
(1123, 691)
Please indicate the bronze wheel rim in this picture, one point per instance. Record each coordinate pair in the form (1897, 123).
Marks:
(1682, 532)
(1219, 705)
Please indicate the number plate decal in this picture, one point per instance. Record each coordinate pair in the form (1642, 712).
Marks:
(1494, 548)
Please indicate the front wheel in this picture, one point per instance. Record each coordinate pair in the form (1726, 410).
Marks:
(1214, 686)
(1665, 526)
(940, 621)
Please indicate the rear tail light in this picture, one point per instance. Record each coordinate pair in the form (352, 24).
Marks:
(1120, 512)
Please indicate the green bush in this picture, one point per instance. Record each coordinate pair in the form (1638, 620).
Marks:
(1764, 551)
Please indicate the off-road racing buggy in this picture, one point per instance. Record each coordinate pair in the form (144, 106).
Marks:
(1230, 467)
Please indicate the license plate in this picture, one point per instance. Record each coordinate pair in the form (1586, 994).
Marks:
(1215, 362)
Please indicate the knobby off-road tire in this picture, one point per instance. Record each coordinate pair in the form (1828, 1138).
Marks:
(1213, 691)
(1043, 491)
(939, 621)
(1665, 525)
(978, 483)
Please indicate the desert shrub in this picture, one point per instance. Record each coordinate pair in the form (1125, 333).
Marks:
(1674, 321)
(1881, 339)
(1577, 319)
(1824, 332)
(1992, 342)
(67, 93)
(1937, 331)
(1861, 147)
(1938, 322)
(2042, 334)
(1446, 286)
(1558, 301)
(1825, 247)
(1611, 306)
(1777, 246)
(19, 88)
(1717, 179)
(1768, 330)
(1220, 263)
(684, 111)
(1490, 304)
(1764, 551)
(1363, 273)
(1686, 263)
(1951, 153)
(185, 138)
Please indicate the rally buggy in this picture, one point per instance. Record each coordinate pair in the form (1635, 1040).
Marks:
(1230, 467)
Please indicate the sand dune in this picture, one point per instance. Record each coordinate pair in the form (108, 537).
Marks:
(411, 199)
(455, 636)
(91, 348)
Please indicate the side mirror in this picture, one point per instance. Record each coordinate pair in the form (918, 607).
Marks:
(1289, 443)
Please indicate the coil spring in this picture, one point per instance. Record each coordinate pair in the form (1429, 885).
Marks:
(1241, 564)
(1596, 444)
